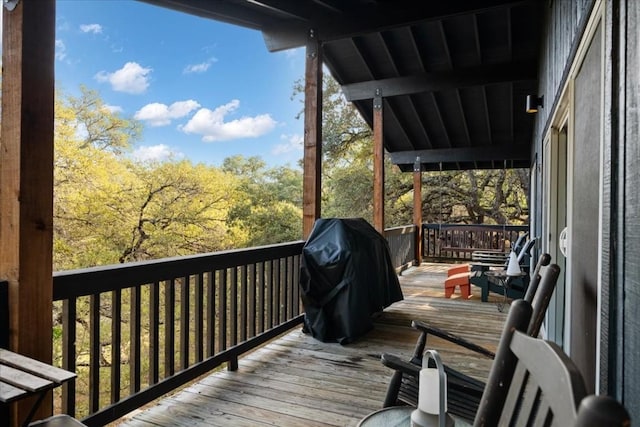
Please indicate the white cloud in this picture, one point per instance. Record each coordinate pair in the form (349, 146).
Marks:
(198, 68)
(154, 153)
(292, 143)
(157, 114)
(91, 28)
(212, 126)
(61, 50)
(131, 78)
(113, 108)
(62, 25)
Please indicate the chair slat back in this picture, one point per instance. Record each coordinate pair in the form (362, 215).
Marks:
(502, 369)
(546, 387)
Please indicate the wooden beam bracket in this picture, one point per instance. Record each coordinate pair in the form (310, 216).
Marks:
(377, 99)
(417, 164)
(312, 45)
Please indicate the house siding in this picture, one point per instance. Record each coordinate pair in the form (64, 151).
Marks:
(629, 236)
(619, 249)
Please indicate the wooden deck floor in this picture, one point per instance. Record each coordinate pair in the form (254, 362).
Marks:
(299, 381)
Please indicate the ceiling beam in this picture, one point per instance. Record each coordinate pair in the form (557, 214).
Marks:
(433, 82)
(467, 154)
(380, 17)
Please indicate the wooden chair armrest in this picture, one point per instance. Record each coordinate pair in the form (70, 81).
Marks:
(426, 329)
(394, 362)
(463, 268)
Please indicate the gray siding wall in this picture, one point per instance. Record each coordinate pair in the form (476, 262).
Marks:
(628, 202)
(620, 248)
(565, 22)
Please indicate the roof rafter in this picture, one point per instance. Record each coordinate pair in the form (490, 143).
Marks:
(438, 81)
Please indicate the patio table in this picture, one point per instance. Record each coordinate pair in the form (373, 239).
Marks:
(398, 416)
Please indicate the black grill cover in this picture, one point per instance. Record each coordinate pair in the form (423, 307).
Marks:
(346, 276)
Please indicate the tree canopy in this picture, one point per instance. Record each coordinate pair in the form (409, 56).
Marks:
(110, 208)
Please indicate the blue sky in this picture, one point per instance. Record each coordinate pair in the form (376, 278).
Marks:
(204, 90)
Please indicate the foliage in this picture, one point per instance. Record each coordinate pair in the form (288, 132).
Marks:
(269, 210)
(109, 208)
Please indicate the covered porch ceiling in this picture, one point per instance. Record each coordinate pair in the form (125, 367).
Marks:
(453, 75)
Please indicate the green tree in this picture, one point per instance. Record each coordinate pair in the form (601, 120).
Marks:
(268, 209)
(109, 209)
(476, 196)
(173, 209)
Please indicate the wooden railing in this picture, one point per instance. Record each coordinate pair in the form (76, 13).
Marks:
(453, 242)
(402, 243)
(134, 332)
(168, 321)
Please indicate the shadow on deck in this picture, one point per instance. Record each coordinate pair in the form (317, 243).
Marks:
(299, 381)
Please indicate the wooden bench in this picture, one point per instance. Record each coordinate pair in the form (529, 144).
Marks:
(22, 377)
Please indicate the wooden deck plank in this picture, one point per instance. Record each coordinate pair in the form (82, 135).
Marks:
(297, 380)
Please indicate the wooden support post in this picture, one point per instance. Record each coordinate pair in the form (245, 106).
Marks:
(417, 209)
(312, 184)
(378, 164)
(26, 180)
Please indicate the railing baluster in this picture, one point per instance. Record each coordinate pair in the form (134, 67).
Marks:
(95, 355)
(296, 286)
(284, 286)
(69, 354)
(233, 305)
(222, 310)
(261, 291)
(198, 315)
(184, 323)
(134, 337)
(269, 295)
(211, 314)
(116, 342)
(252, 283)
(169, 327)
(288, 305)
(243, 303)
(154, 333)
(277, 292)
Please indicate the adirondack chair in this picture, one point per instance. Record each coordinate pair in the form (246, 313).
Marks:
(464, 392)
(466, 275)
(533, 382)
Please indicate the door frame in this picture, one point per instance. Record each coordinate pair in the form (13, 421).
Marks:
(556, 164)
